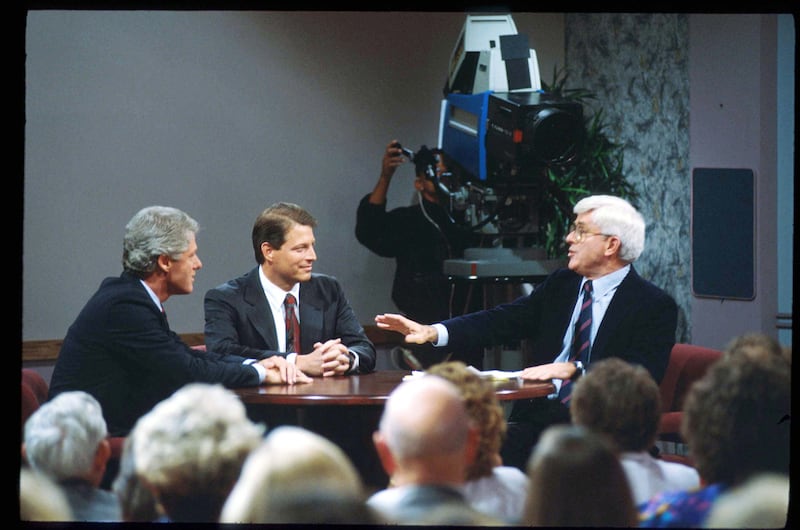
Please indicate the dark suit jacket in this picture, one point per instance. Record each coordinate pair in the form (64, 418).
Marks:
(639, 324)
(239, 320)
(120, 349)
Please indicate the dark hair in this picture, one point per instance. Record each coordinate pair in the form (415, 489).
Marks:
(425, 158)
(577, 480)
(272, 225)
(621, 400)
(736, 418)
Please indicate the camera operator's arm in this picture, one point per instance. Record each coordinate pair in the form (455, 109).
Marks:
(392, 157)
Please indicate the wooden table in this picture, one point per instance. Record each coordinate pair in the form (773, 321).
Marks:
(365, 389)
(347, 409)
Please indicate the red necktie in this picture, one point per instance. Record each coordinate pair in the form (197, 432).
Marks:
(582, 339)
(292, 325)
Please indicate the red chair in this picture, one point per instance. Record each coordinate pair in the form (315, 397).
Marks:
(36, 383)
(687, 364)
(34, 393)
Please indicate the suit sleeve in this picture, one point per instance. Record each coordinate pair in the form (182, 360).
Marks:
(540, 317)
(138, 332)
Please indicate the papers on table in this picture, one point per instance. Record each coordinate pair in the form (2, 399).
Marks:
(493, 375)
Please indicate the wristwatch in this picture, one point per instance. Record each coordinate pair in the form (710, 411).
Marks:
(579, 369)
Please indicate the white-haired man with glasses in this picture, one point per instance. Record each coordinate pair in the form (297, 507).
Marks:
(597, 307)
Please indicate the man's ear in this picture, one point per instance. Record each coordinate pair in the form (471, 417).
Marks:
(266, 252)
(101, 456)
(384, 453)
(613, 245)
(164, 262)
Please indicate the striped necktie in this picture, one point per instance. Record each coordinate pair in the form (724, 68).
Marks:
(581, 340)
(292, 325)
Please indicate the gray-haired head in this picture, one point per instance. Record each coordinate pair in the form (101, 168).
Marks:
(62, 436)
(155, 231)
(616, 216)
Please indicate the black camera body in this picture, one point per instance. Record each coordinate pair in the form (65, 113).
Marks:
(527, 132)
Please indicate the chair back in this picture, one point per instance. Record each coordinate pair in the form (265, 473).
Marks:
(687, 364)
(34, 393)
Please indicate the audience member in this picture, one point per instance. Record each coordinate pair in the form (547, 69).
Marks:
(286, 470)
(426, 442)
(120, 348)
(420, 237)
(322, 507)
(190, 448)
(577, 480)
(41, 499)
(66, 439)
(492, 488)
(248, 316)
(736, 422)
(761, 501)
(136, 500)
(756, 345)
(621, 315)
(622, 401)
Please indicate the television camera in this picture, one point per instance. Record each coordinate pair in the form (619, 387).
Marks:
(502, 133)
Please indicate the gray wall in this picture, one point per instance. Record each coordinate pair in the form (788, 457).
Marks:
(221, 114)
(735, 109)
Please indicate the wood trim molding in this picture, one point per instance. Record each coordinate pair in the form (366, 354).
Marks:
(47, 350)
(40, 350)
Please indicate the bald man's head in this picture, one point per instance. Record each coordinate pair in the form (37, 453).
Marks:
(425, 417)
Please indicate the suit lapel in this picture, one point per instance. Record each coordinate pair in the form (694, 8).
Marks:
(311, 313)
(259, 314)
(625, 300)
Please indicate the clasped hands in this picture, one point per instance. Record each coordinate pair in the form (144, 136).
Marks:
(326, 359)
(417, 333)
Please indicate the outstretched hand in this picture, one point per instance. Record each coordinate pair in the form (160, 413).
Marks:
(414, 332)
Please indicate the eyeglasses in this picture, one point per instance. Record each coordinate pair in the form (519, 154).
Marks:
(580, 233)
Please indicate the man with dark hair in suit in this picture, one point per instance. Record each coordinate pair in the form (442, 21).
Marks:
(246, 316)
(120, 348)
(624, 316)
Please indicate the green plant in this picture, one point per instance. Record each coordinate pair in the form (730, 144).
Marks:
(596, 168)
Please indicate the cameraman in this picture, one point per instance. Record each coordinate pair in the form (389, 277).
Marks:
(420, 237)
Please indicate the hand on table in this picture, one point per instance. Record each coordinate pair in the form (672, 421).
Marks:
(280, 372)
(545, 372)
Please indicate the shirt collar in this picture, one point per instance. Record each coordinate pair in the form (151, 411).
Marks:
(153, 296)
(275, 294)
(607, 283)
